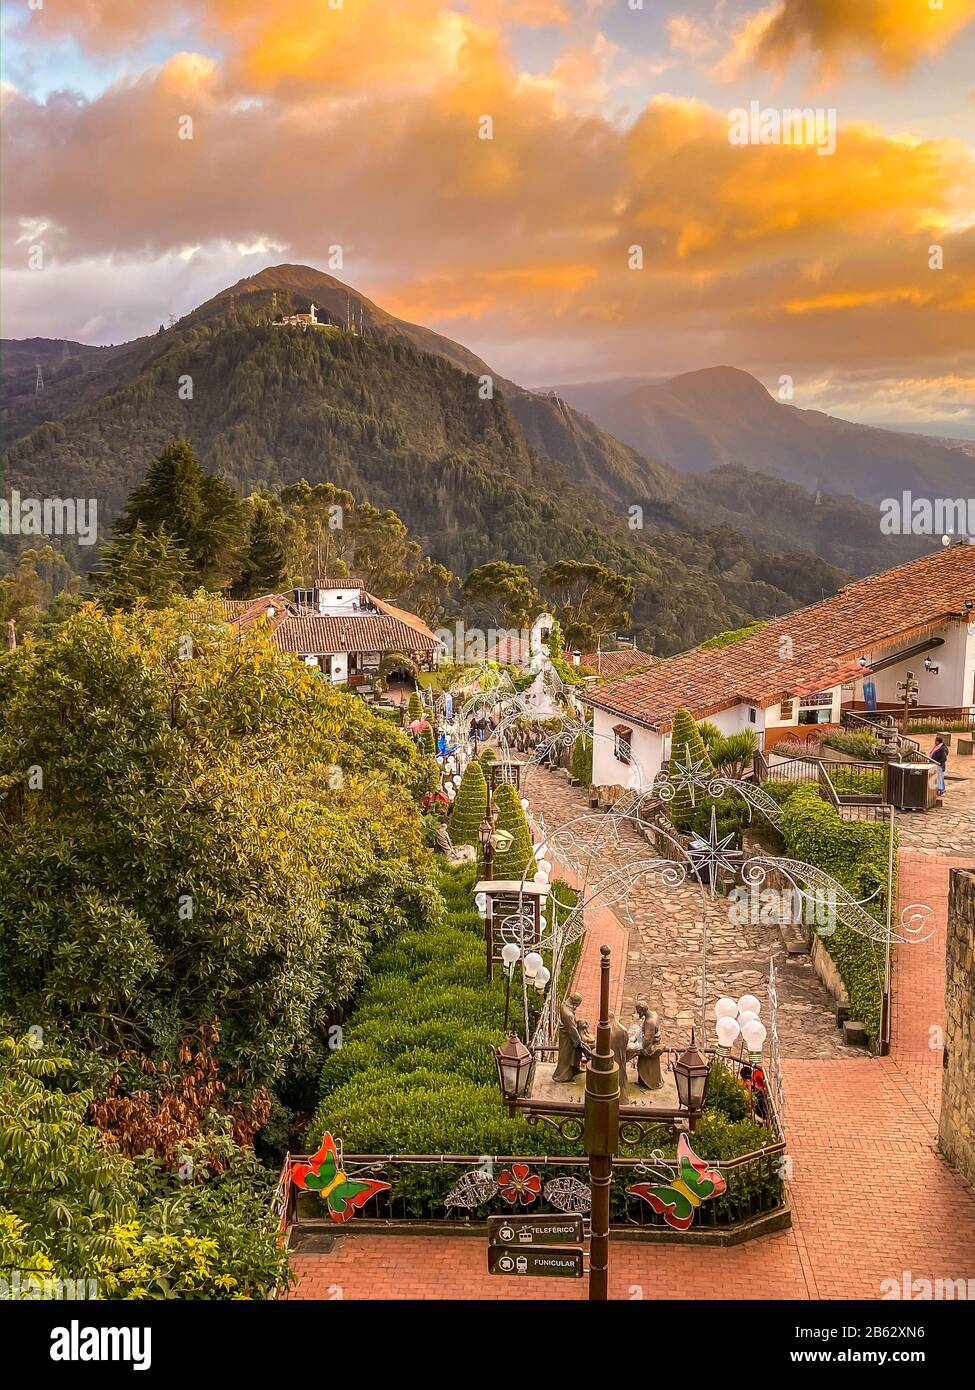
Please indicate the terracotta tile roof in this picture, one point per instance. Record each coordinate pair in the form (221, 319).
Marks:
(309, 633)
(809, 649)
(611, 665)
(401, 615)
(319, 634)
(511, 651)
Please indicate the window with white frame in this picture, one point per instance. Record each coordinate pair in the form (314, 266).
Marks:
(816, 709)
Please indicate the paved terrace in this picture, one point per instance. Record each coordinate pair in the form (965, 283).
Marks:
(871, 1196)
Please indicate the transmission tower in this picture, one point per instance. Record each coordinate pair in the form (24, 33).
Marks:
(39, 380)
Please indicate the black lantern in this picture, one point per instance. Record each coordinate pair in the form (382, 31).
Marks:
(514, 1062)
(691, 1072)
(485, 830)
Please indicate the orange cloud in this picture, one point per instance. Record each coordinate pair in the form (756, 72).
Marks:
(895, 34)
(360, 128)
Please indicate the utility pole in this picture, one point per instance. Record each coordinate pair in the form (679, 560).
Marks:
(601, 1136)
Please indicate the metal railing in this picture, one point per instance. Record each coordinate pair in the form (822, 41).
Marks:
(842, 784)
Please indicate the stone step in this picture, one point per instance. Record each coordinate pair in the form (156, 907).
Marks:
(794, 938)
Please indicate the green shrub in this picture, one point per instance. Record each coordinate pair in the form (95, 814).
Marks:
(686, 745)
(518, 861)
(855, 854)
(731, 755)
(470, 806)
(582, 760)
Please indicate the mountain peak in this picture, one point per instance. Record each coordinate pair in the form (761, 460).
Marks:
(722, 383)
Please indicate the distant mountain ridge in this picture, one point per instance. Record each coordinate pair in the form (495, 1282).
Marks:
(391, 412)
(722, 416)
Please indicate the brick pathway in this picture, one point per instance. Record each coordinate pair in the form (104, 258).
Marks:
(949, 830)
(872, 1199)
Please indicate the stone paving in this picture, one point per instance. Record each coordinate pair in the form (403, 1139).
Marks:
(667, 932)
(950, 829)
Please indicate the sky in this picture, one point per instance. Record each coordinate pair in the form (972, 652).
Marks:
(561, 185)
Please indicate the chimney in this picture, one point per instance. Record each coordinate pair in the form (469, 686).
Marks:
(576, 658)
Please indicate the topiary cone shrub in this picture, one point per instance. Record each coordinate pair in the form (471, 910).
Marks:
(582, 760)
(470, 807)
(519, 860)
(687, 746)
(414, 707)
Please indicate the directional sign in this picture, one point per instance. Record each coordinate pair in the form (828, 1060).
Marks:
(535, 1230)
(552, 1262)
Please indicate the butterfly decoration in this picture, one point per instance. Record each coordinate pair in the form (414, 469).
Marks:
(692, 1183)
(323, 1173)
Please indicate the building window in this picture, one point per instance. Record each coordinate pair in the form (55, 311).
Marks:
(752, 716)
(816, 709)
(787, 711)
(622, 741)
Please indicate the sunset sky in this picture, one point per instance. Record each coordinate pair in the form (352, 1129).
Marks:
(358, 126)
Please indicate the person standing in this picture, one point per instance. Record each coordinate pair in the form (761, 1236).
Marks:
(939, 755)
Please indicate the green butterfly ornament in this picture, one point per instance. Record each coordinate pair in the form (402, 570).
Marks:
(323, 1174)
(678, 1198)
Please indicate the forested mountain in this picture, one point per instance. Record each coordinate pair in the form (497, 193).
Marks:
(396, 414)
(723, 416)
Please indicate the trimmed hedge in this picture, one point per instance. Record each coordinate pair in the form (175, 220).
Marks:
(416, 1073)
(686, 735)
(582, 760)
(518, 861)
(470, 806)
(855, 853)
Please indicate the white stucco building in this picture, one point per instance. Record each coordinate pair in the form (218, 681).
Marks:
(799, 673)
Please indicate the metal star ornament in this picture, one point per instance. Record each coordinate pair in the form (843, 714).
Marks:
(714, 853)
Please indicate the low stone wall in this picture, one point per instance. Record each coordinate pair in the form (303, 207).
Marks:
(825, 968)
(956, 1135)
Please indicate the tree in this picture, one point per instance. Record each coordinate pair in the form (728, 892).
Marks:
(40, 591)
(589, 599)
(62, 1189)
(199, 511)
(686, 747)
(470, 806)
(503, 592)
(136, 565)
(175, 852)
(518, 861)
(265, 565)
(73, 1206)
(329, 532)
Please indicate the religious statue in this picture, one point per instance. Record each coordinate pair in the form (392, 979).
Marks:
(574, 1041)
(456, 854)
(646, 1047)
(619, 1040)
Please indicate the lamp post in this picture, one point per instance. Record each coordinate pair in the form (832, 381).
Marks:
(691, 1074)
(601, 1114)
(601, 1136)
(486, 835)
